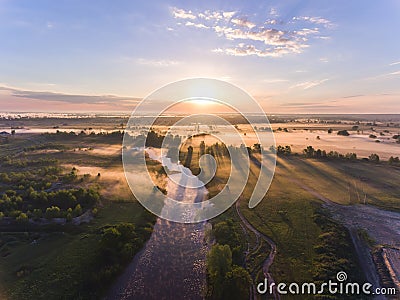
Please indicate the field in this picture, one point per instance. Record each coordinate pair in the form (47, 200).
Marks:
(320, 199)
(54, 261)
(322, 214)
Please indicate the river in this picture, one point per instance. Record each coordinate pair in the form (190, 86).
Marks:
(172, 263)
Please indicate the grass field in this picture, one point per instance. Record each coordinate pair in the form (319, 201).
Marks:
(347, 182)
(62, 261)
(59, 262)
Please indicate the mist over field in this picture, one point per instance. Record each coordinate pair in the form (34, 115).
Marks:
(199, 150)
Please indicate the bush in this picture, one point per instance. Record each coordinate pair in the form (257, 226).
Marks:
(394, 160)
(343, 132)
(22, 218)
(52, 212)
(374, 157)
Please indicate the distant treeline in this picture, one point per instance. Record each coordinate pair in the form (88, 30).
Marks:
(72, 134)
(311, 152)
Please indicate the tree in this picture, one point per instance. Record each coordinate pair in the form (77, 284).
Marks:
(52, 212)
(286, 150)
(78, 210)
(351, 156)
(189, 157)
(309, 151)
(202, 148)
(22, 218)
(219, 263)
(374, 157)
(37, 213)
(225, 234)
(237, 284)
(120, 242)
(343, 132)
(110, 239)
(394, 160)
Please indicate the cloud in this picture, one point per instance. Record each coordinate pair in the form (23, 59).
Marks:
(298, 104)
(69, 98)
(247, 50)
(352, 96)
(323, 37)
(197, 25)
(315, 20)
(309, 84)
(244, 37)
(156, 62)
(273, 12)
(271, 22)
(213, 15)
(306, 31)
(395, 73)
(182, 14)
(394, 63)
(228, 14)
(268, 36)
(243, 22)
(275, 80)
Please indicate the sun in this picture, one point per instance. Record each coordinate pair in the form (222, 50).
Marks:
(202, 102)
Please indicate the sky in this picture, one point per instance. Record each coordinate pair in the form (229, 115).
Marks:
(294, 56)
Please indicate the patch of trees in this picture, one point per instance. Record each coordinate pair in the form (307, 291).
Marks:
(283, 150)
(310, 152)
(22, 163)
(72, 135)
(226, 233)
(36, 191)
(217, 149)
(226, 281)
(334, 251)
(156, 140)
(226, 278)
(118, 245)
(57, 204)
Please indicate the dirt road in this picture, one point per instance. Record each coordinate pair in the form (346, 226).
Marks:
(270, 259)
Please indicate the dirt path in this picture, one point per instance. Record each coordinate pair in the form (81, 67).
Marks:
(270, 259)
